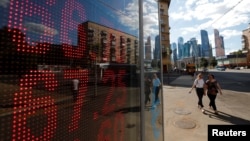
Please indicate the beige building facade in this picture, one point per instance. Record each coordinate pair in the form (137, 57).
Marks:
(246, 44)
(107, 45)
(164, 34)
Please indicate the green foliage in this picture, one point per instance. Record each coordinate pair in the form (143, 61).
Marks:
(213, 62)
(204, 62)
(154, 63)
(159, 64)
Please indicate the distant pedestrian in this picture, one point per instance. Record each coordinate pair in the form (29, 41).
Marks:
(195, 75)
(156, 89)
(75, 88)
(148, 87)
(199, 87)
(212, 87)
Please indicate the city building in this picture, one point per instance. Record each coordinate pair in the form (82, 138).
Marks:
(164, 33)
(109, 45)
(148, 52)
(240, 58)
(205, 47)
(186, 50)
(246, 44)
(194, 48)
(157, 49)
(219, 44)
(174, 54)
(180, 47)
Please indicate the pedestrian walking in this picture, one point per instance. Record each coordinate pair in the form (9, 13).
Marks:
(199, 87)
(212, 87)
(148, 87)
(75, 88)
(156, 89)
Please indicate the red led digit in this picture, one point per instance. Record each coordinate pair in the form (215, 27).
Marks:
(82, 75)
(103, 134)
(119, 126)
(121, 99)
(109, 131)
(26, 8)
(68, 24)
(26, 105)
(108, 107)
(50, 2)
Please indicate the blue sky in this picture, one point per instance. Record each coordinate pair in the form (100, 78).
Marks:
(230, 17)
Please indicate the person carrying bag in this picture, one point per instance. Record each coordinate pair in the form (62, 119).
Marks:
(212, 87)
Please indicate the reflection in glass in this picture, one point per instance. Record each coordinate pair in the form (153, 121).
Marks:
(68, 68)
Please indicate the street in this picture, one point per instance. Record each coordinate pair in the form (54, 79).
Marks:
(233, 80)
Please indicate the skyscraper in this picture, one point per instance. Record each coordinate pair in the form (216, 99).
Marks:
(219, 44)
(194, 48)
(204, 44)
(174, 54)
(180, 47)
(157, 48)
(148, 49)
(186, 50)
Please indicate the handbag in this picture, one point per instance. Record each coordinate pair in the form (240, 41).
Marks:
(213, 89)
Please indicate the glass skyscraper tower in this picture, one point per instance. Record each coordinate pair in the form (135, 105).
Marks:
(180, 47)
(204, 44)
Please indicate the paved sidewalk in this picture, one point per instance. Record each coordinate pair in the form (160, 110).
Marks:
(183, 121)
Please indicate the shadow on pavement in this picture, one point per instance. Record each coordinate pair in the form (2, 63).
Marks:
(180, 80)
(226, 117)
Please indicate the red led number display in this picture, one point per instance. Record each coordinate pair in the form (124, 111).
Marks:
(26, 104)
(111, 126)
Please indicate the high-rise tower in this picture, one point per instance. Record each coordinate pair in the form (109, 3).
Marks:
(148, 49)
(180, 47)
(219, 44)
(205, 47)
(174, 54)
(157, 49)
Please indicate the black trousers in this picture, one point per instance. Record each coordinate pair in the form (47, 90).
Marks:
(147, 98)
(212, 98)
(157, 89)
(200, 92)
(75, 94)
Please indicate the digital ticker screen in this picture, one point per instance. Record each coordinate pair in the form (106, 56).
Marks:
(67, 71)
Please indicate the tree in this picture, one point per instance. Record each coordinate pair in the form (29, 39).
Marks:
(237, 52)
(204, 62)
(159, 64)
(154, 63)
(213, 62)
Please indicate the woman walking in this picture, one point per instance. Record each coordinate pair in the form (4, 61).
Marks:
(199, 87)
(156, 88)
(212, 87)
(148, 85)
